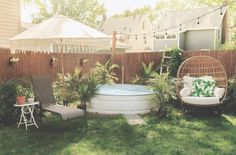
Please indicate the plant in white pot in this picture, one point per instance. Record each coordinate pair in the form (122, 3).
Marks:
(24, 91)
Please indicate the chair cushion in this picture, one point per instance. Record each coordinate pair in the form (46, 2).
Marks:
(219, 92)
(65, 112)
(185, 92)
(201, 100)
(188, 81)
(203, 87)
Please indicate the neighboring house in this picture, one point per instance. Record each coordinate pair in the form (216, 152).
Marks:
(10, 19)
(207, 34)
(232, 32)
(127, 28)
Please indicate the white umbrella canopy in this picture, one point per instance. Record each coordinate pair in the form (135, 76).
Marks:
(60, 31)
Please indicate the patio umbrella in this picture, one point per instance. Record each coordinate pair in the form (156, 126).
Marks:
(60, 34)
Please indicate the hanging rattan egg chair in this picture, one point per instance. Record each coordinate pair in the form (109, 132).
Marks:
(198, 66)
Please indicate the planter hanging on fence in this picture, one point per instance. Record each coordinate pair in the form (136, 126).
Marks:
(13, 60)
(53, 61)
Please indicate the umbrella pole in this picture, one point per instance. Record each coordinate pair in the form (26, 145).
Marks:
(113, 46)
(62, 71)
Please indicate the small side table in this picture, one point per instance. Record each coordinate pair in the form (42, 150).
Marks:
(27, 109)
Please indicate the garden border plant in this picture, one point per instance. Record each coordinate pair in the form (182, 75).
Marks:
(175, 61)
(147, 71)
(165, 93)
(8, 94)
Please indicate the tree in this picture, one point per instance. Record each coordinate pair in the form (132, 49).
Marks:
(174, 5)
(88, 12)
(146, 10)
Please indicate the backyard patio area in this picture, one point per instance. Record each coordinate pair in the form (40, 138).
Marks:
(172, 129)
(182, 134)
(79, 78)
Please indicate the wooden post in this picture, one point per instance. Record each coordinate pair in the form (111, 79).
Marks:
(225, 34)
(62, 70)
(122, 72)
(113, 46)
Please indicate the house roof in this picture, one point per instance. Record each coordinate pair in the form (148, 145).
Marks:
(27, 25)
(122, 24)
(172, 18)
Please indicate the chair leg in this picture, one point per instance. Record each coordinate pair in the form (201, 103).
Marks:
(218, 111)
(41, 117)
(85, 122)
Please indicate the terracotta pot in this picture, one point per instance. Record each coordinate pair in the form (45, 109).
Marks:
(20, 99)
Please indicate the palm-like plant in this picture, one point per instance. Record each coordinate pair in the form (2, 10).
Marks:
(105, 73)
(164, 89)
(148, 70)
(71, 84)
(87, 90)
(77, 86)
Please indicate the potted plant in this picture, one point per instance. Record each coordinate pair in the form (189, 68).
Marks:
(20, 90)
(30, 96)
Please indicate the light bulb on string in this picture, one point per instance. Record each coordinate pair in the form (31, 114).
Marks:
(198, 20)
(221, 12)
(180, 27)
(144, 36)
(154, 34)
(166, 32)
(136, 37)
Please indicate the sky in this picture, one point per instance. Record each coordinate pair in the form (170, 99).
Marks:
(112, 6)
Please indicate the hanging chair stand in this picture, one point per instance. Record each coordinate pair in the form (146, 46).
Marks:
(198, 66)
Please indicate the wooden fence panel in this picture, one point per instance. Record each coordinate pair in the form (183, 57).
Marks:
(227, 58)
(36, 63)
(132, 63)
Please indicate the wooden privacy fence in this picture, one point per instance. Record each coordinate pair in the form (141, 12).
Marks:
(31, 63)
(132, 63)
(227, 58)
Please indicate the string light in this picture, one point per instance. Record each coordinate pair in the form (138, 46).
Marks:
(180, 26)
(198, 22)
(144, 36)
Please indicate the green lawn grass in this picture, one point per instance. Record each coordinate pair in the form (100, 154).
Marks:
(106, 135)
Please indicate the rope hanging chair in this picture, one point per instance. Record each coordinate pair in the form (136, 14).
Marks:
(198, 66)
